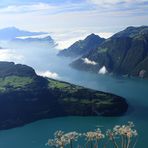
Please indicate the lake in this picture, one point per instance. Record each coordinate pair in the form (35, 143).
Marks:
(43, 58)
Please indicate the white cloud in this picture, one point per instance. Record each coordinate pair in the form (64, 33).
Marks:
(48, 74)
(87, 61)
(26, 8)
(103, 70)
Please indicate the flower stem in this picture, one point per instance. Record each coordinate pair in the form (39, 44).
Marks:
(71, 146)
(135, 143)
(114, 142)
(91, 144)
(128, 143)
(86, 144)
(97, 143)
(106, 144)
(122, 141)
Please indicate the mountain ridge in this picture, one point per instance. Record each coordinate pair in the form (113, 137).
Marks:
(122, 54)
(82, 47)
(30, 39)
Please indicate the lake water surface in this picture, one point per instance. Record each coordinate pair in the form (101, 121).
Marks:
(43, 58)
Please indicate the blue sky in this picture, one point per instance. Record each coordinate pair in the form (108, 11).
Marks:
(83, 16)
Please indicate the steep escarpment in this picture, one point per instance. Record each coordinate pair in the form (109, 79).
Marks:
(27, 97)
(125, 53)
(82, 47)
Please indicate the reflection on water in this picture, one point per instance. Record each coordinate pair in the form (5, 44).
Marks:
(43, 58)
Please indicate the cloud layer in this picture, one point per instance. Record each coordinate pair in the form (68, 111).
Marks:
(93, 15)
(10, 55)
(26, 8)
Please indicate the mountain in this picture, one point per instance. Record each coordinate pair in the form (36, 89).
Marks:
(26, 97)
(13, 32)
(82, 47)
(125, 53)
(47, 39)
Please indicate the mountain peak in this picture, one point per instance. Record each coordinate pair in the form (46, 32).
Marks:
(82, 47)
(92, 35)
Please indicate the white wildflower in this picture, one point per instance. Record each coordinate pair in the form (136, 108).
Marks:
(72, 136)
(96, 135)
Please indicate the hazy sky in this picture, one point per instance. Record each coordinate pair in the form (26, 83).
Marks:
(98, 16)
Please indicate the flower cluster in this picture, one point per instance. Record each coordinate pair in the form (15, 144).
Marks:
(72, 136)
(119, 136)
(61, 139)
(96, 135)
(125, 130)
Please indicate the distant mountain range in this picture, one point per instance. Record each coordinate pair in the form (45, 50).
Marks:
(46, 39)
(82, 47)
(13, 32)
(125, 53)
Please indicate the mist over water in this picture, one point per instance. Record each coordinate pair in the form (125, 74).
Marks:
(42, 57)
